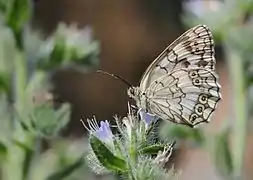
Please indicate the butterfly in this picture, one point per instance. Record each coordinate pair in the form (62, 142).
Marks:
(181, 84)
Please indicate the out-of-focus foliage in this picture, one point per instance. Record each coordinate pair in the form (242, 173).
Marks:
(181, 133)
(28, 115)
(69, 46)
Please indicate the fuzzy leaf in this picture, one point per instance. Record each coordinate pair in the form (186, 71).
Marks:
(106, 157)
(65, 172)
(47, 121)
(69, 47)
(152, 149)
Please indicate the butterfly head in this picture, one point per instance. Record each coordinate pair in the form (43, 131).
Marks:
(134, 92)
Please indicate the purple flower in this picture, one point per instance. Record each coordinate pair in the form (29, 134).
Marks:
(147, 117)
(102, 132)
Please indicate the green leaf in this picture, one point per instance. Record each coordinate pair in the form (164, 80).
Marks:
(22, 145)
(69, 47)
(47, 121)
(5, 82)
(174, 131)
(106, 157)
(57, 55)
(222, 154)
(18, 15)
(65, 172)
(28, 154)
(152, 149)
(8, 52)
(3, 6)
(3, 151)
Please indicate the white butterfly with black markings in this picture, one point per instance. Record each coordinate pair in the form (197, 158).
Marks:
(181, 85)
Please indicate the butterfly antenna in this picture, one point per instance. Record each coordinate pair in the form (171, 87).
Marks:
(115, 76)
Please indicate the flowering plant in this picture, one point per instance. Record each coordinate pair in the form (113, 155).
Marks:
(133, 152)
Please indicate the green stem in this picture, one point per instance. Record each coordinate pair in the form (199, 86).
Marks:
(133, 148)
(30, 157)
(20, 78)
(19, 88)
(235, 63)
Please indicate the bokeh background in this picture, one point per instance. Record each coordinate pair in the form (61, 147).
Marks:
(130, 35)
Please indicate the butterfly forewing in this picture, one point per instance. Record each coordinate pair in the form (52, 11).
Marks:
(194, 48)
(181, 84)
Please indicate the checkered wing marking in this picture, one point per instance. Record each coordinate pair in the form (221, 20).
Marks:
(194, 48)
(186, 96)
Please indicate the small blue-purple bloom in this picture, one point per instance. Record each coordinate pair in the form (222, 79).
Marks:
(102, 132)
(147, 117)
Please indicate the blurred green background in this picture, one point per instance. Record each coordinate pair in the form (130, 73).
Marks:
(44, 139)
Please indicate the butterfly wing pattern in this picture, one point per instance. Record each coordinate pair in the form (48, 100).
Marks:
(180, 85)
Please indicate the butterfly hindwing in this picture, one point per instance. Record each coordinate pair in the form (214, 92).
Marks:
(186, 96)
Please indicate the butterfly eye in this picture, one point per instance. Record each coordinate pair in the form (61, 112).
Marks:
(199, 108)
(203, 98)
(193, 117)
(131, 92)
(197, 82)
(193, 74)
